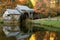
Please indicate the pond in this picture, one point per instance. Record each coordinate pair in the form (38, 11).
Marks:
(3, 36)
(11, 32)
(45, 35)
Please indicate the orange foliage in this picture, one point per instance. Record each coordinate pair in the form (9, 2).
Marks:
(43, 8)
(23, 1)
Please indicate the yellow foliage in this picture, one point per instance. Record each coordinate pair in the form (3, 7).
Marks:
(32, 37)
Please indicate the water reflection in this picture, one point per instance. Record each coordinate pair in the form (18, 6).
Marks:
(45, 35)
(13, 30)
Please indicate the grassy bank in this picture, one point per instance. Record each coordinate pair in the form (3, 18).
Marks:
(1, 21)
(49, 24)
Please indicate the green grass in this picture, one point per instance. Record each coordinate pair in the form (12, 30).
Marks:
(51, 22)
(55, 23)
(51, 25)
(1, 21)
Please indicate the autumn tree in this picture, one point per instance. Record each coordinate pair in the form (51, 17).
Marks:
(43, 7)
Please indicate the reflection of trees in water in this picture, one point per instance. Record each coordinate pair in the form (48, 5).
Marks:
(1, 31)
(45, 35)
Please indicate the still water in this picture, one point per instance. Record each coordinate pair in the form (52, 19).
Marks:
(15, 30)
